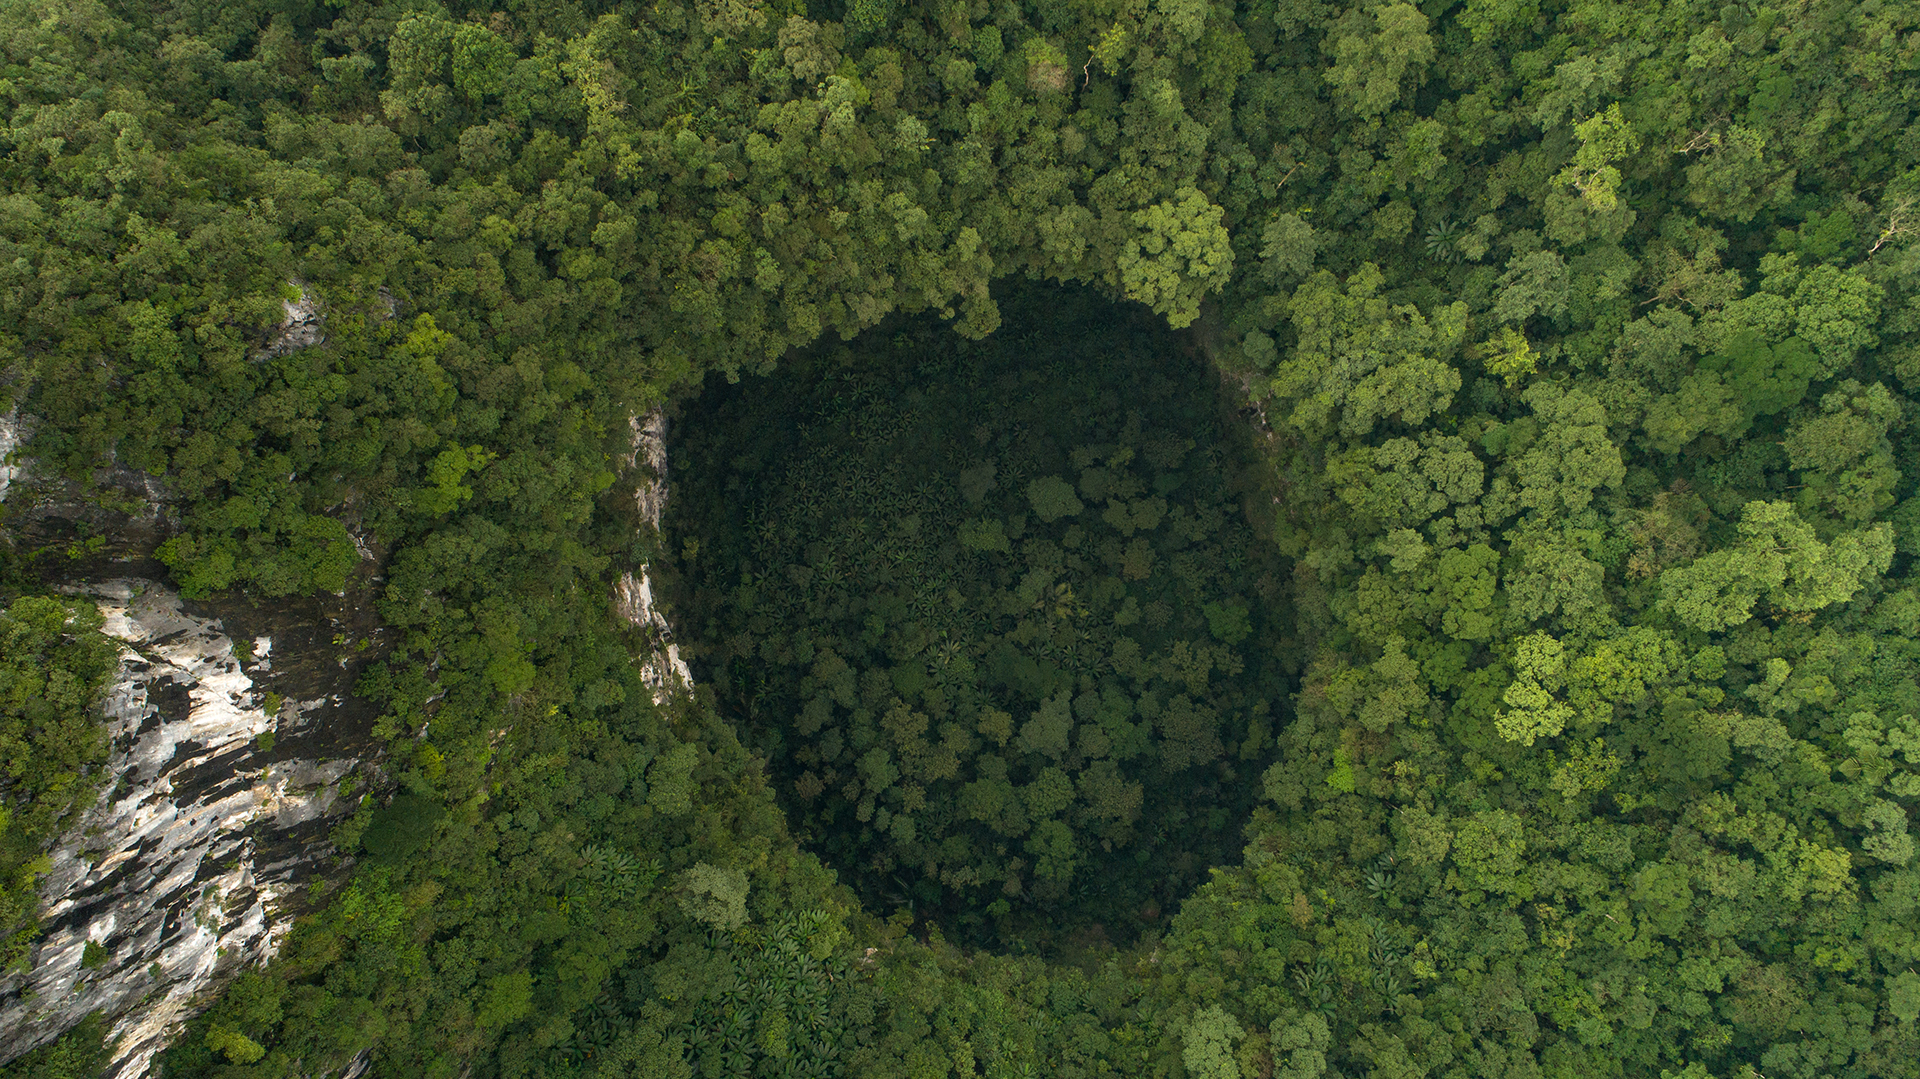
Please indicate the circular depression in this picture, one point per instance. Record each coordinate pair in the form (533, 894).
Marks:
(994, 612)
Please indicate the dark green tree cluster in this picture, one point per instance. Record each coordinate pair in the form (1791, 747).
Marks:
(54, 667)
(988, 608)
(79, 1053)
(1581, 336)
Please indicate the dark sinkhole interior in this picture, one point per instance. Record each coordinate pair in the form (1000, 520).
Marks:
(994, 612)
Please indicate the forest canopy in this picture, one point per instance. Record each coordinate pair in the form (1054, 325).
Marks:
(1572, 341)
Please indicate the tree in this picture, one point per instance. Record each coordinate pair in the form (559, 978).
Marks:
(1705, 403)
(54, 666)
(1779, 558)
(1842, 452)
(716, 896)
(1180, 253)
(1734, 178)
(598, 211)
(1052, 498)
(235, 1046)
(1388, 692)
(670, 783)
(1304, 1039)
(1903, 996)
(1375, 48)
(1606, 138)
(1490, 850)
(1533, 712)
(1288, 247)
(1535, 283)
(1768, 380)
(1208, 1043)
(1834, 310)
(1464, 584)
(418, 62)
(1555, 574)
(1359, 360)
(1572, 457)
(1406, 482)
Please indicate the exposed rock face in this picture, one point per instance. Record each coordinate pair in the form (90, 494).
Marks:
(186, 870)
(303, 327)
(196, 857)
(633, 595)
(41, 510)
(9, 441)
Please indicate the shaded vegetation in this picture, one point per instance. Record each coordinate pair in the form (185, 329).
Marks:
(992, 612)
(80, 1053)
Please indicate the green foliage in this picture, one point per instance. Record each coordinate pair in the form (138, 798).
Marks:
(1181, 254)
(518, 934)
(1780, 559)
(1209, 1040)
(985, 536)
(1845, 460)
(970, 684)
(1375, 47)
(235, 1046)
(1570, 458)
(1510, 357)
(1605, 140)
(670, 783)
(1052, 498)
(1770, 380)
(401, 828)
(1903, 996)
(1228, 622)
(54, 666)
(1539, 663)
(79, 1053)
(716, 896)
(508, 999)
(1364, 360)
(1682, 234)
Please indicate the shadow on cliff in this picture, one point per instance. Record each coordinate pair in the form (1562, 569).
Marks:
(238, 744)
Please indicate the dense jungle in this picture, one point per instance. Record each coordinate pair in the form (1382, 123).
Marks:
(1348, 539)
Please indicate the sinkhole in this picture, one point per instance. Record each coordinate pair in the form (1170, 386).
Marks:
(998, 613)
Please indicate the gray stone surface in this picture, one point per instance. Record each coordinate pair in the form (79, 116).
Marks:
(182, 870)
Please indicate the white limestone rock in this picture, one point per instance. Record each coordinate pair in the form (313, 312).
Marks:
(170, 872)
(663, 670)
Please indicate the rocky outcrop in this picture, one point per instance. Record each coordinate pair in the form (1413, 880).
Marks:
(662, 668)
(304, 326)
(236, 745)
(9, 442)
(127, 513)
(187, 869)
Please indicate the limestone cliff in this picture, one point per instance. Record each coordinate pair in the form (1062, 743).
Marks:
(236, 743)
(184, 868)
